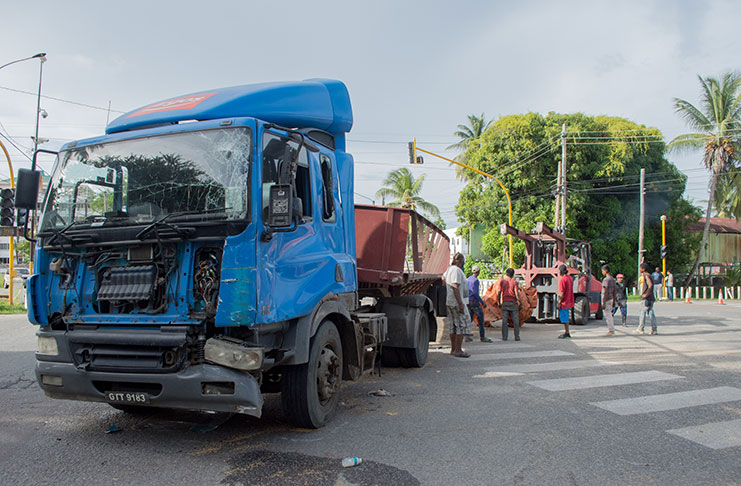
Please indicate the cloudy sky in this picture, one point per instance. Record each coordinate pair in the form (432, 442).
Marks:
(413, 68)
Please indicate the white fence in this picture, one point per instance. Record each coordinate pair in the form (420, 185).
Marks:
(712, 293)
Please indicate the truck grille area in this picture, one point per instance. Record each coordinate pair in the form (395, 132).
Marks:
(127, 352)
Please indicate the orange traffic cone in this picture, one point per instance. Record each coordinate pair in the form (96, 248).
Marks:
(720, 299)
(687, 300)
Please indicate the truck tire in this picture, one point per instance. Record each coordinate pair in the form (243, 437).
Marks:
(581, 310)
(310, 391)
(417, 357)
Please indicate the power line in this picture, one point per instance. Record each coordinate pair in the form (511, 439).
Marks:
(61, 100)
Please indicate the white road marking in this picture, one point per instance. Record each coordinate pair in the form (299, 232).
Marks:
(718, 435)
(582, 382)
(552, 366)
(526, 354)
(497, 374)
(670, 401)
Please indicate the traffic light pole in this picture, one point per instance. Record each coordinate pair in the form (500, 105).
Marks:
(11, 272)
(415, 149)
(663, 255)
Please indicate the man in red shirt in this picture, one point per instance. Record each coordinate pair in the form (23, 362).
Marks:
(509, 303)
(565, 298)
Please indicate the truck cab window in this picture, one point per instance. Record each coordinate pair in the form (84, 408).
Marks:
(275, 157)
(328, 211)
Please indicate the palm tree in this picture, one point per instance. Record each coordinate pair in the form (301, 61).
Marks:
(728, 195)
(715, 123)
(467, 134)
(403, 191)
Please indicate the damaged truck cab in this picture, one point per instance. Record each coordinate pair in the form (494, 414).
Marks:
(203, 251)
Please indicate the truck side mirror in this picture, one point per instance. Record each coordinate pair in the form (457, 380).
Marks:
(280, 206)
(27, 189)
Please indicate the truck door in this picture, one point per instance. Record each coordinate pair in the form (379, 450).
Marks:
(297, 267)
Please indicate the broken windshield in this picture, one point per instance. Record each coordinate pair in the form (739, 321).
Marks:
(204, 174)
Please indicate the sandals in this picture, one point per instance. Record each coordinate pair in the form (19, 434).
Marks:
(462, 355)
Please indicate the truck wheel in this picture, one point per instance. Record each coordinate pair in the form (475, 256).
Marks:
(581, 310)
(599, 315)
(310, 392)
(417, 357)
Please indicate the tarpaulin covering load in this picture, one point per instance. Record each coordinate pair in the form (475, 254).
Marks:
(493, 311)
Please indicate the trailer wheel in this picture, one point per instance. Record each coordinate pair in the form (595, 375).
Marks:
(310, 392)
(581, 310)
(417, 357)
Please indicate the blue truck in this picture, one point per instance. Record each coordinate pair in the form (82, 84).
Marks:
(207, 250)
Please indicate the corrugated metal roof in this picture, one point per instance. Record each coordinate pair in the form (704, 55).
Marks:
(718, 225)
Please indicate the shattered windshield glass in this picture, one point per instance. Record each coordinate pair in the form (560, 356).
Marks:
(201, 174)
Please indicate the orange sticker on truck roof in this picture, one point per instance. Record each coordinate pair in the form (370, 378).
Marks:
(181, 103)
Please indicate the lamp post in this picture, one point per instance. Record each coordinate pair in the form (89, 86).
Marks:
(41, 56)
(663, 255)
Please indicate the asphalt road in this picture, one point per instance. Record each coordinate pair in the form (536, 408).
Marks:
(627, 409)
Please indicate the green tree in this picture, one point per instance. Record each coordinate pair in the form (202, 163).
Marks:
(467, 134)
(728, 195)
(716, 122)
(401, 189)
(605, 155)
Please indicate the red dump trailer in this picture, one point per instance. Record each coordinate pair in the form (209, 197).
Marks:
(401, 259)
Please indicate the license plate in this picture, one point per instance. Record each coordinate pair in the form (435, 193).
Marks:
(127, 397)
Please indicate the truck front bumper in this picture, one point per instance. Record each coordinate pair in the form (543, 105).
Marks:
(185, 389)
(196, 387)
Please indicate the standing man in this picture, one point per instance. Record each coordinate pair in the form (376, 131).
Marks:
(622, 298)
(669, 285)
(476, 305)
(647, 300)
(565, 299)
(657, 278)
(609, 297)
(458, 324)
(509, 301)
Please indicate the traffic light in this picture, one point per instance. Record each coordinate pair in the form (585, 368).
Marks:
(664, 252)
(22, 217)
(414, 159)
(7, 207)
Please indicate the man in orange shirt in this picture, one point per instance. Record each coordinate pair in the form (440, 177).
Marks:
(509, 303)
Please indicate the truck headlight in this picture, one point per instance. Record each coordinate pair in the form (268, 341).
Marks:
(233, 355)
(48, 345)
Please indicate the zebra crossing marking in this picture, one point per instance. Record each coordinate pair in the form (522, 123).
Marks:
(583, 382)
(526, 354)
(670, 401)
(718, 435)
(551, 366)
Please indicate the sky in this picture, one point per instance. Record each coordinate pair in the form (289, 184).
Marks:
(413, 68)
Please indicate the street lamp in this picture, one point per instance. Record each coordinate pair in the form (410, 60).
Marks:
(41, 56)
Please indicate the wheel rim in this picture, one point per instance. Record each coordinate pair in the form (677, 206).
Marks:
(328, 374)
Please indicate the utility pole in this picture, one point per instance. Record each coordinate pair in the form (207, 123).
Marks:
(558, 195)
(563, 179)
(641, 220)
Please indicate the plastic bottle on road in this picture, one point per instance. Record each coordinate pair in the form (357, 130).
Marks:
(351, 461)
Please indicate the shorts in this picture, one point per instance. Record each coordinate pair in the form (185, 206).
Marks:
(458, 322)
(563, 314)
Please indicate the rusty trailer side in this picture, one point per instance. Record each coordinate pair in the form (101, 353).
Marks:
(398, 250)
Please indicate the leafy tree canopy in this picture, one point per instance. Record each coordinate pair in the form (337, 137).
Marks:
(604, 158)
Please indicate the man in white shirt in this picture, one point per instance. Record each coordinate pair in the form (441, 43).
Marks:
(458, 325)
